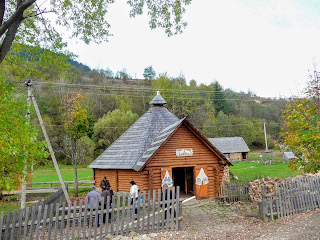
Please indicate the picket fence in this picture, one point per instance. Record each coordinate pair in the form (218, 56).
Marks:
(235, 191)
(292, 196)
(77, 221)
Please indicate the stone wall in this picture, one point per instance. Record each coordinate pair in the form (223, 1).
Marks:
(236, 156)
(226, 175)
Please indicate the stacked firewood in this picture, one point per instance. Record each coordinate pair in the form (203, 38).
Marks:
(255, 187)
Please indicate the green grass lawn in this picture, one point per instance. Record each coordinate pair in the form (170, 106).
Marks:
(257, 169)
(5, 206)
(49, 174)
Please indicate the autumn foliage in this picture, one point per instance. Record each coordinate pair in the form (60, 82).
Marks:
(301, 129)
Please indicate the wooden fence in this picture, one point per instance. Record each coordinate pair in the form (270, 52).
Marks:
(56, 185)
(57, 197)
(290, 197)
(235, 191)
(78, 221)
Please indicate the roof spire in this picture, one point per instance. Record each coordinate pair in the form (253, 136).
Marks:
(158, 100)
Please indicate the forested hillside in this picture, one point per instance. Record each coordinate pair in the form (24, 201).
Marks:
(114, 101)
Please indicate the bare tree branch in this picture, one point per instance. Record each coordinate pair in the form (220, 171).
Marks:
(37, 14)
(16, 17)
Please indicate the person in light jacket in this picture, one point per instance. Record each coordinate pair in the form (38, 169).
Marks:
(134, 193)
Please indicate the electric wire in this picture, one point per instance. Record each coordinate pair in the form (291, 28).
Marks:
(150, 96)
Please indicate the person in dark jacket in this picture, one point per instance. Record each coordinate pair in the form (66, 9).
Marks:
(105, 194)
(104, 184)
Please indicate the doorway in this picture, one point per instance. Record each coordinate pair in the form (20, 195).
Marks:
(183, 177)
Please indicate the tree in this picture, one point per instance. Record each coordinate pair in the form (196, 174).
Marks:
(76, 125)
(218, 96)
(301, 127)
(123, 74)
(19, 146)
(112, 125)
(149, 73)
(35, 62)
(26, 21)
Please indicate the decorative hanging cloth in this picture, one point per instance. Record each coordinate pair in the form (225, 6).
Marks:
(202, 178)
(167, 180)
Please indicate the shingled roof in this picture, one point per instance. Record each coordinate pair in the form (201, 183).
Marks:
(230, 144)
(158, 141)
(132, 144)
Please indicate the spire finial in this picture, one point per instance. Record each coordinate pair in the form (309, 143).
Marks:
(158, 100)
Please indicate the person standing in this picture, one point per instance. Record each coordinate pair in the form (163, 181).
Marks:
(105, 194)
(92, 198)
(104, 184)
(134, 193)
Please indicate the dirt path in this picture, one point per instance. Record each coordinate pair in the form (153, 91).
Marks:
(206, 219)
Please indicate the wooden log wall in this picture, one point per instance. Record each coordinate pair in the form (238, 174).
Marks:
(111, 175)
(211, 181)
(202, 155)
(120, 179)
(126, 176)
(183, 138)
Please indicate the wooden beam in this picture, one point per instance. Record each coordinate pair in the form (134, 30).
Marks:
(50, 149)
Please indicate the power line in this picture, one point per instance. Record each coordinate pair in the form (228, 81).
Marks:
(23, 88)
(146, 90)
(226, 125)
(150, 96)
(130, 88)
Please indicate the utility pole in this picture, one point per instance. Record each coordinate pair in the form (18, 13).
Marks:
(265, 134)
(316, 82)
(32, 98)
(25, 173)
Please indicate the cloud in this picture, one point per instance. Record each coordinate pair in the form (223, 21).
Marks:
(264, 46)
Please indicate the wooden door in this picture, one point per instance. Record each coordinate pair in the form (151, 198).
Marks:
(163, 175)
(201, 182)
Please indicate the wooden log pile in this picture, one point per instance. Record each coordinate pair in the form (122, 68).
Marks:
(255, 187)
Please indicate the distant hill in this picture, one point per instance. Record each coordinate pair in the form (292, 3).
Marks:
(82, 67)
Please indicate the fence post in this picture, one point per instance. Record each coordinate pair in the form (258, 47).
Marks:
(263, 204)
(180, 217)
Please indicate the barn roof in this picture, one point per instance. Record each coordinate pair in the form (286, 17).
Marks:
(130, 146)
(230, 144)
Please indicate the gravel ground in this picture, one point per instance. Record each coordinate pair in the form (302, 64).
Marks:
(206, 219)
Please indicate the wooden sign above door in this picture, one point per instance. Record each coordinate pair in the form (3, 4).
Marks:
(184, 152)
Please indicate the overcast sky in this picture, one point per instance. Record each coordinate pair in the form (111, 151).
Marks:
(265, 46)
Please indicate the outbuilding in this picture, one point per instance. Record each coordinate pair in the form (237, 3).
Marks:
(161, 149)
(288, 156)
(234, 148)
